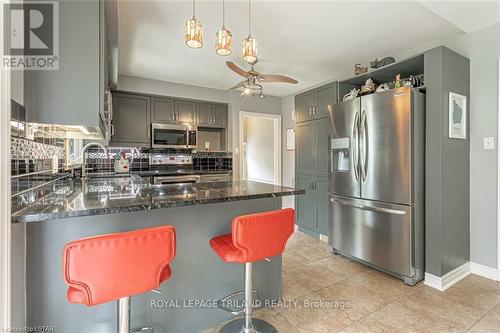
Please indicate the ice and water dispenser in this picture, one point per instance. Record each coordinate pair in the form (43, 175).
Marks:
(339, 154)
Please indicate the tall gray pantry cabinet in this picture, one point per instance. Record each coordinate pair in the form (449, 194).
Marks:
(311, 157)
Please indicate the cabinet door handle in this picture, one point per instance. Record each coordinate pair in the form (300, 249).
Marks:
(112, 129)
(310, 111)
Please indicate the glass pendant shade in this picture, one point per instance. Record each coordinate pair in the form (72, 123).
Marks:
(223, 42)
(194, 33)
(250, 50)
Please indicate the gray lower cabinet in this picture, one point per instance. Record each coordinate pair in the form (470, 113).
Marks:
(131, 120)
(321, 189)
(162, 110)
(312, 207)
(305, 204)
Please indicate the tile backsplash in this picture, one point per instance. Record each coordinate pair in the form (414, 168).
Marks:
(202, 161)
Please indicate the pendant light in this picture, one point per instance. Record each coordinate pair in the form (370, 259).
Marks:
(249, 43)
(194, 32)
(223, 38)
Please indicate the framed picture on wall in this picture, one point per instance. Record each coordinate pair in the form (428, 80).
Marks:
(290, 139)
(457, 116)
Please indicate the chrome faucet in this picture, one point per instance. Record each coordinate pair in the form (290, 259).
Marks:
(84, 149)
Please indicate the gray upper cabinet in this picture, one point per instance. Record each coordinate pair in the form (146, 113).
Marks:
(212, 115)
(185, 112)
(316, 103)
(326, 96)
(220, 116)
(303, 106)
(205, 114)
(73, 94)
(131, 120)
(162, 110)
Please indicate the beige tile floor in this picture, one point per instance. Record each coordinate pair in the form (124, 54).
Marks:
(375, 301)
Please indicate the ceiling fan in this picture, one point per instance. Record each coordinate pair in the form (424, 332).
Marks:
(251, 85)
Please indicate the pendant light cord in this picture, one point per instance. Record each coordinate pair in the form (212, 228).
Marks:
(249, 18)
(223, 14)
(193, 10)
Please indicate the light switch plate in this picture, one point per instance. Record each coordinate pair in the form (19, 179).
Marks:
(488, 143)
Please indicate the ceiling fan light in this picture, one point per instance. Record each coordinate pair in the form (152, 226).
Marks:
(223, 42)
(250, 50)
(193, 36)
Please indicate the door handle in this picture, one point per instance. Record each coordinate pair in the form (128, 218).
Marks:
(363, 144)
(310, 110)
(355, 148)
(373, 209)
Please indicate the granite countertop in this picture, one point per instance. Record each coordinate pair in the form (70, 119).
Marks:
(112, 195)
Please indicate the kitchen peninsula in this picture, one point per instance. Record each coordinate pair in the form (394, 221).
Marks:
(95, 206)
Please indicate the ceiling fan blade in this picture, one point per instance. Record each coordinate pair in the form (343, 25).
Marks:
(239, 85)
(276, 78)
(236, 69)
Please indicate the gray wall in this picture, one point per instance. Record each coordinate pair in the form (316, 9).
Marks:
(483, 50)
(172, 89)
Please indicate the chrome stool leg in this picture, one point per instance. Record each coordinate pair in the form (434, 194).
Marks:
(247, 324)
(124, 318)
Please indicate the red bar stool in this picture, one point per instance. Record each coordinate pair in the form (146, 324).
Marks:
(253, 238)
(114, 267)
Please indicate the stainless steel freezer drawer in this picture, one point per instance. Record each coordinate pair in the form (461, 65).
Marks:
(377, 233)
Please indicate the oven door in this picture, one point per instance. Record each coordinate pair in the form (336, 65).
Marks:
(176, 180)
(169, 136)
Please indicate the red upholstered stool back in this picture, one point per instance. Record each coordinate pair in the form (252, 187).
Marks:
(262, 235)
(108, 267)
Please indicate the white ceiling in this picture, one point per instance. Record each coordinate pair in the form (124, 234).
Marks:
(311, 41)
(468, 16)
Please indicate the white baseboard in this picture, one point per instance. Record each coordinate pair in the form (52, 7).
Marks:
(484, 271)
(449, 279)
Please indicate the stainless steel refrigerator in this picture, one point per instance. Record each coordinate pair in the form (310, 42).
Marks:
(376, 182)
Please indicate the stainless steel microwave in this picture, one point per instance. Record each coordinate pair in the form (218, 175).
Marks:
(173, 136)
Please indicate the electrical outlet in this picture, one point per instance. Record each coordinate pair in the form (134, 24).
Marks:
(488, 143)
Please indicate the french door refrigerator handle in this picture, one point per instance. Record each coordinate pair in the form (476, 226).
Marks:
(355, 148)
(364, 141)
(373, 209)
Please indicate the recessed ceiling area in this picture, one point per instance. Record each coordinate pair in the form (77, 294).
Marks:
(311, 41)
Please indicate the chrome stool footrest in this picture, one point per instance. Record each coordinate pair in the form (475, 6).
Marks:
(237, 311)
